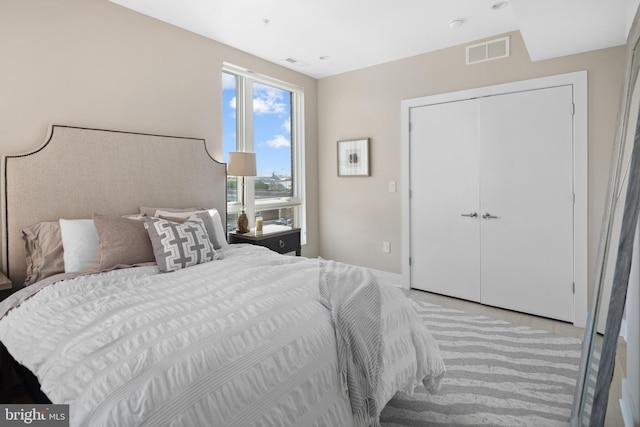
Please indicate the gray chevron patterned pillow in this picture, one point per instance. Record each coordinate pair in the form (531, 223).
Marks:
(177, 246)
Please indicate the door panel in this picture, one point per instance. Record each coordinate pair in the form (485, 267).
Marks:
(444, 171)
(526, 172)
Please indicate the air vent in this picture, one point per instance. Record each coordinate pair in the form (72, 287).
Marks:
(488, 51)
(296, 62)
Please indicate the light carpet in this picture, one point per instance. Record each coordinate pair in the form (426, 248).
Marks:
(498, 374)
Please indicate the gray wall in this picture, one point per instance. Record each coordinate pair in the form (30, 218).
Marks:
(358, 214)
(93, 63)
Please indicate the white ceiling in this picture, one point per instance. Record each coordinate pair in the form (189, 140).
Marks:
(354, 34)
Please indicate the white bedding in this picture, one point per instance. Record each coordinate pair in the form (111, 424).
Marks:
(239, 342)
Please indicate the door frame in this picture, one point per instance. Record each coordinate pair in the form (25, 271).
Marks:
(578, 81)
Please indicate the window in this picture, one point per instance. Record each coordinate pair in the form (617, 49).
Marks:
(264, 115)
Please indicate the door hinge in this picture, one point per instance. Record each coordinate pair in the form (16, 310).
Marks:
(573, 109)
(574, 287)
(409, 261)
(574, 198)
(410, 127)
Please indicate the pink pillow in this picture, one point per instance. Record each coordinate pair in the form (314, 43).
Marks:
(123, 242)
(45, 255)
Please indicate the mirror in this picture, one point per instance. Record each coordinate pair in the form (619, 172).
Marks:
(614, 253)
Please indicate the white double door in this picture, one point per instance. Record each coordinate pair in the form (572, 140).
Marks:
(492, 200)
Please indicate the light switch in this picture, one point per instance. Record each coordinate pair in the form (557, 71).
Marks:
(392, 187)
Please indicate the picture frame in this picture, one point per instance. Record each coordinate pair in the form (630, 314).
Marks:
(353, 157)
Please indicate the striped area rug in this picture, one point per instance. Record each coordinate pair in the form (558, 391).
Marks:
(498, 374)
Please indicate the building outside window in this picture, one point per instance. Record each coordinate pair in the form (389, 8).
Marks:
(265, 116)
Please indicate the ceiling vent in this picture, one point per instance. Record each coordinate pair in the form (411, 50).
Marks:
(488, 51)
(296, 62)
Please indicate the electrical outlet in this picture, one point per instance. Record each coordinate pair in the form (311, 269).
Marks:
(386, 247)
(392, 187)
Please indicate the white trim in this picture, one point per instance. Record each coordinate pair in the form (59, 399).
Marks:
(245, 143)
(298, 145)
(630, 412)
(579, 82)
(261, 78)
(581, 189)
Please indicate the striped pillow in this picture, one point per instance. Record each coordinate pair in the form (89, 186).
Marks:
(177, 246)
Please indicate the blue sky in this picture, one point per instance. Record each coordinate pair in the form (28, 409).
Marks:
(271, 124)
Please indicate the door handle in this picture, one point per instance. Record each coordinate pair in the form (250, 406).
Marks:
(489, 216)
(471, 215)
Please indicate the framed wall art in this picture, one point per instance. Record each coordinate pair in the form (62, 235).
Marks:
(353, 157)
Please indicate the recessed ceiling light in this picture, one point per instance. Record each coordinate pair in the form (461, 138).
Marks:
(499, 5)
(456, 23)
(323, 58)
(266, 21)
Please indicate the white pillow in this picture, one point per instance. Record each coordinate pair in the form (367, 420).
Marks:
(79, 242)
(221, 236)
(218, 239)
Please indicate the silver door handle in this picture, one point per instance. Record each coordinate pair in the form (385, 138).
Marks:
(471, 215)
(489, 216)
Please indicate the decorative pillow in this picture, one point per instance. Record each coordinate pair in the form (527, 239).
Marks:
(177, 246)
(152, 211)
(138, 216)
(79, 242)
(45, 256)
(210, 217)
(221, 235)
(122, 241)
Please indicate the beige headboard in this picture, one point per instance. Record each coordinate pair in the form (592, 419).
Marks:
(79, 171)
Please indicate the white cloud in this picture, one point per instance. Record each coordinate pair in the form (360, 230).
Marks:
(232, 103)
(279, 141)
(267, 100)
(287, 124)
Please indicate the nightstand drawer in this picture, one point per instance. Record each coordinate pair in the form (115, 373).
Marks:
(283, 243)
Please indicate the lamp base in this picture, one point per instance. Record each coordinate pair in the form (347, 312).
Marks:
(243, 223)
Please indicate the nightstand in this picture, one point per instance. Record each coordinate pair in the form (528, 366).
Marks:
(277, 238)
(4, 282)
(6, 366)
(6, 287)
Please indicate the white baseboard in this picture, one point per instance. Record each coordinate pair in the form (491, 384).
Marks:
(395, 278)
(623, 329)
(630, 412)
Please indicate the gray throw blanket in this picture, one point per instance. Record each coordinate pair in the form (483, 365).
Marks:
(353, 297)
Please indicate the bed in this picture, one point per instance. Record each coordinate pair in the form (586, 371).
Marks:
(217, 335)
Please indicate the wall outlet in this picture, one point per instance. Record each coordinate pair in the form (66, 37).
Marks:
(386, 247)
(392, 187)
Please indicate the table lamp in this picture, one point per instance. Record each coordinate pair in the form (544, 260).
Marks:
(242, 164)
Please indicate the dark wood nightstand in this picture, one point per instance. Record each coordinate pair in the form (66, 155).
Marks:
(6, 361)
(6, 287)
(277, 238)
(4, 282)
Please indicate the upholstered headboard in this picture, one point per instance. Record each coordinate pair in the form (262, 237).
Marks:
(78, 172)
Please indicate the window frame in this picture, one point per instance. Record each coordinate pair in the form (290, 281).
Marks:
(245, 142)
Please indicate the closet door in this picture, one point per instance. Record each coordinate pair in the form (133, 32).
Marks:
(526, 170)
(444, 161)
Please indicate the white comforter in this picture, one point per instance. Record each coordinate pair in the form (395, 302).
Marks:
(239, 342)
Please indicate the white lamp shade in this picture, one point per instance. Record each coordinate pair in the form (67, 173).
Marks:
(241, 164)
